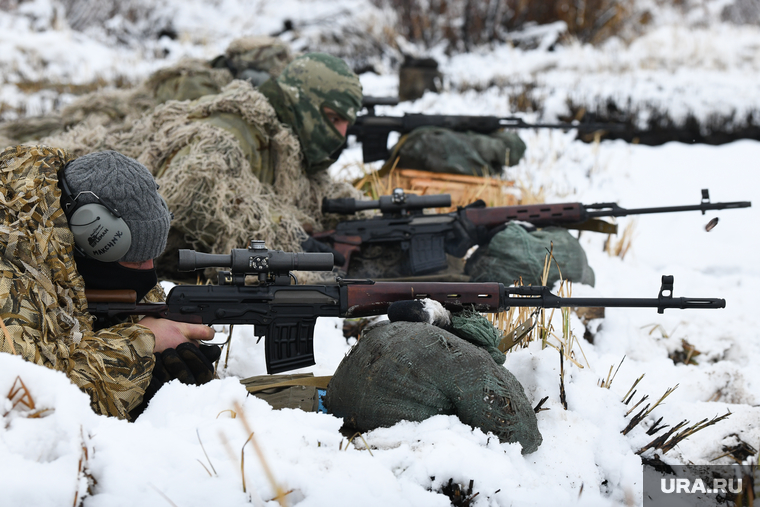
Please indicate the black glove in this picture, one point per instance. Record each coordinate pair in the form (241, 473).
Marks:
(190, 364)
(313, 245)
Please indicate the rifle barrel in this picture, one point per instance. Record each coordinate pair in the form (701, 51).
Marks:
(680, 303)
(613, 210)
(519, 123)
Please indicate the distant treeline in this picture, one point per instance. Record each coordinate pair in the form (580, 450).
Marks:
(468, 23)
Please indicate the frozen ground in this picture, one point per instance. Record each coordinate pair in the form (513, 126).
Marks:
(584, 459)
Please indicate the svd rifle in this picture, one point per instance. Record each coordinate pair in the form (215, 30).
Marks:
(372, 130)
(427, 238)
(285, 314)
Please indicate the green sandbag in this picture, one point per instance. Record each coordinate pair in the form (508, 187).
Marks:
(442, 150)
(412, 371)
(514, 145)
(515, 253)
(476, 329)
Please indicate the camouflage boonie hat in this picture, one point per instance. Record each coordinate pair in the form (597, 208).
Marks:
(299, 95)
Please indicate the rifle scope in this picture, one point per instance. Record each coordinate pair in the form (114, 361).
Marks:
(396, 203)
(255, 260)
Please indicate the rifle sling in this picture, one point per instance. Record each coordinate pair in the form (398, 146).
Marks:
(318, 382)
(594, 225)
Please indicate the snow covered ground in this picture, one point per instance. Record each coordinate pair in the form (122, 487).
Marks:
(186, 448)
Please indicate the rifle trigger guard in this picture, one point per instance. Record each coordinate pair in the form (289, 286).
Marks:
(666, 291)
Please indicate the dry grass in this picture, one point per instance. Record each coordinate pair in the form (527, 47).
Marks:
(83, 471)
(279, 492)
(530, 195)
(119, 81)
(522, 325)
(687, 354)
(19, 395)
(619, 247)
(58, 88)
(668, 440)
(607, 383)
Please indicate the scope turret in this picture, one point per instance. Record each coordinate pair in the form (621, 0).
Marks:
(398, 202)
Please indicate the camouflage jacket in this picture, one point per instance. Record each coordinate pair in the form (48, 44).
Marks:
(44, 309)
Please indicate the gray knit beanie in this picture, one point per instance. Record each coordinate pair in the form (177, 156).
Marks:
(126, 185)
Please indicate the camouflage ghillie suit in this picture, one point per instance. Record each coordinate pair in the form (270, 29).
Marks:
(43, 301)
(255, 58)
(229, 165)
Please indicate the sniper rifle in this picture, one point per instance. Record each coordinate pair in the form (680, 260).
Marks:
(372, 130)
(427, 238)
(285, 314)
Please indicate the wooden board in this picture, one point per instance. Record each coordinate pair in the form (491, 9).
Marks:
(463, 189)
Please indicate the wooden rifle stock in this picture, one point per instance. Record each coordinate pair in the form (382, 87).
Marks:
(110, 296)
(540, 215)
(365, 300)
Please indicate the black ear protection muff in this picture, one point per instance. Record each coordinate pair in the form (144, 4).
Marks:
(99, 231)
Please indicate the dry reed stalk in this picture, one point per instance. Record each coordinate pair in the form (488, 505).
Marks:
(523, 325)
(229, 345)
(163, 495)
(562, 395)
(658, 327)
(82, 470)
(233, 458)
(279, 492)
(606, 384)
(626, 398)
(538, 408)
(568, 339)
(25, 398)
(198, 434)
(646, 410)
(350, 441)
(666, 442)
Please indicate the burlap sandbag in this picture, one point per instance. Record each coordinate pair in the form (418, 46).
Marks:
(515, 254)
(442, 150)
(412, 371)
